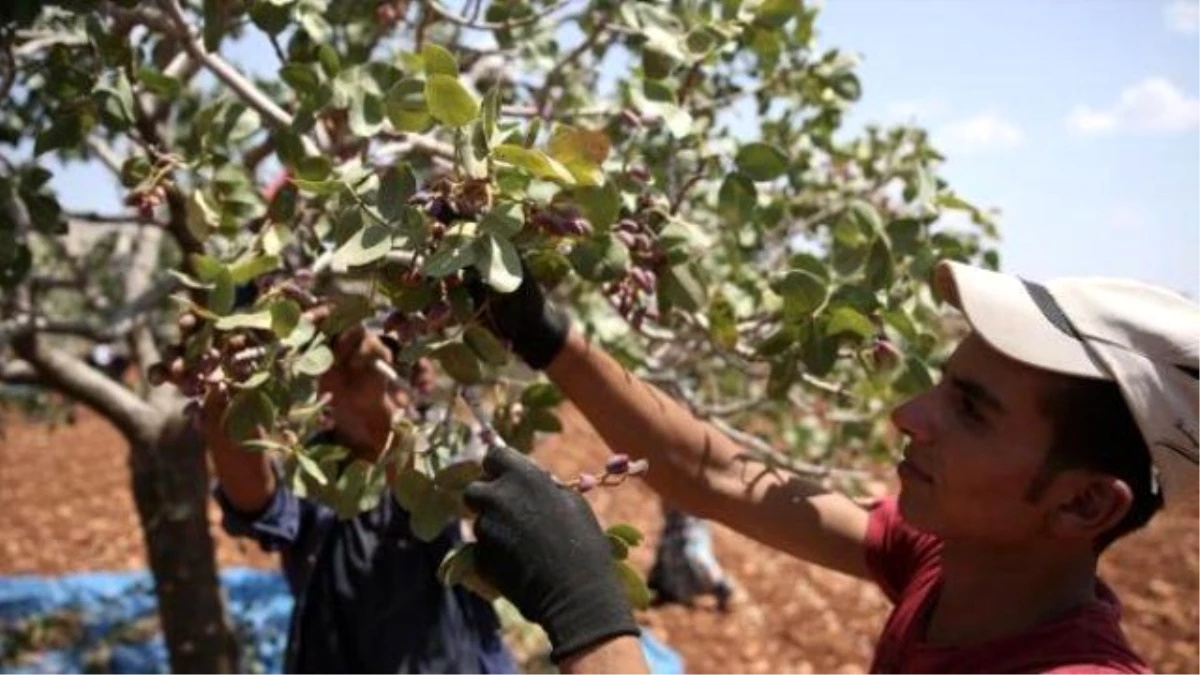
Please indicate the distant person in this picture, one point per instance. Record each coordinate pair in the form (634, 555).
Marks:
(1061, 423)
(368, 599)
(685, 566)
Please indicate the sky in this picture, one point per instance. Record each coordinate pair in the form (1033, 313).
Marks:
(1077, 119)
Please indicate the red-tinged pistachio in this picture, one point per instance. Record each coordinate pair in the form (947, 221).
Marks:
(617, 464)
(586, 482)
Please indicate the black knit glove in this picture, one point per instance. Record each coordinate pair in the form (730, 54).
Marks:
(540, 545)
(536, 329)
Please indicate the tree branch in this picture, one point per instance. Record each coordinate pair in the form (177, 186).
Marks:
(137, 283)
(448, 15)
(105, 153)
(80, 381)
(177, 25)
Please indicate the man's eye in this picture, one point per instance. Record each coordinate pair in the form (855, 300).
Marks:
(968, 407)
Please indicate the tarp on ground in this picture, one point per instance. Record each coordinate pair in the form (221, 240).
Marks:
(105, 622)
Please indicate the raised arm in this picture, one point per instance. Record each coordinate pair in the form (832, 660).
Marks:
(695, 466)
(244, 475)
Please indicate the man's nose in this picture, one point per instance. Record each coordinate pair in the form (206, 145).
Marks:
(913, 419)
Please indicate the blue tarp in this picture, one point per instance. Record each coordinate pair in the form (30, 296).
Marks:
(103, 606)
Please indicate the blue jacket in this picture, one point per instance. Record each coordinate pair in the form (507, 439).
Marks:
(367, 595)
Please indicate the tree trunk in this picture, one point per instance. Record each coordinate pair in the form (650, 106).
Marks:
(170, 488)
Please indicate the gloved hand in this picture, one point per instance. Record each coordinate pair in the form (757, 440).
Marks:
(540, 545)
(536, 328)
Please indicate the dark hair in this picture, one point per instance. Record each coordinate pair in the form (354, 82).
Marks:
(1094, 429)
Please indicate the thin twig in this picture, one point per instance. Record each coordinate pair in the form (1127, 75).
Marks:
(543, 95)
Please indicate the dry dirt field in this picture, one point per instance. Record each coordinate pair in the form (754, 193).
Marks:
(65, 507)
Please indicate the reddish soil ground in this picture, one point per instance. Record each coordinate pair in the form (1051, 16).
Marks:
(65, 507)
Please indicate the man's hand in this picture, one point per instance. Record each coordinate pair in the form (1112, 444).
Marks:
(536, 329)
(363, 400)
(540, 545)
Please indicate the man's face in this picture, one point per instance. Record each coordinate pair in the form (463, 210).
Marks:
(976, 441)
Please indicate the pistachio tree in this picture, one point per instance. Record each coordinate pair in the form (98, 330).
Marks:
(676, 174)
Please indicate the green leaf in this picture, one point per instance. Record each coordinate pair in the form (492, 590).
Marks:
(362, 248)
(270, 17)
(163, 86)
(65, 132)
(202, 218)
(737, 198)
(900, 321)
(722, 322)
(775, 13)
(505, 219)
(865, 217)
(485, 345)
(251, 268)
(581, 151)
(15, 263)
(535, 162)
(635, 589)
(848, 320)
(301, 77)
(248, 410)
(311, 468)
(601, 258)
(761, 161)
(283, 204)
(412, 488)
(880, 265)
(617, 547)
(450, 102)
(407, 108)
(260, 320)
(222, 296)
(456, 477)
(498, 261)
(313, 168)
(115, 103)
(541, 395)
(315, 361)
(457, 564)
(366, 114)
(847, 86)
(543, 419)
(803, 291)
(438, 61)
(679, 286)
(395, 187)
(601, 205)
(285, 316)
(454, 254)
(459, 362)
(626, 533)
(348, 311)
(915, 379)
(818, 351)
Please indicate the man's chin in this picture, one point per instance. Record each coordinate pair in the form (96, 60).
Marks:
(915, 511)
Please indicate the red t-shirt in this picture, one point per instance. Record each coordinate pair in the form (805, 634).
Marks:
(907, 564)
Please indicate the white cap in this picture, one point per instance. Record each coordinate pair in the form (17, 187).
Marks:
(1144, 338)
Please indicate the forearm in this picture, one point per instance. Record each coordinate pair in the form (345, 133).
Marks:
(620, 655)
(245, 476)
(692, 464)
(696, 467)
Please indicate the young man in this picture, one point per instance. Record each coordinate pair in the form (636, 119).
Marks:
(1061, 423)
(367, 594)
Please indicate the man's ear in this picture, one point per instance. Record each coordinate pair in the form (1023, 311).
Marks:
(1089, 504)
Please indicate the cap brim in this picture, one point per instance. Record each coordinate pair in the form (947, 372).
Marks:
(1001, 310)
